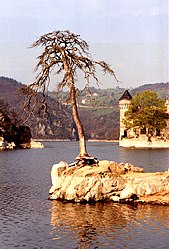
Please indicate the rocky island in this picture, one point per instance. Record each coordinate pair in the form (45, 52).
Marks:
(107, 180)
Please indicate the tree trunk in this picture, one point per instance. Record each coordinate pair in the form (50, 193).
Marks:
(83, 157)
(80, 130)
(82, 141)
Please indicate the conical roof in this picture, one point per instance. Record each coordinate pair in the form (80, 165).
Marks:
(126, 95)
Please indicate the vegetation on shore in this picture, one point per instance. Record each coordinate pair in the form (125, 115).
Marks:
(147, 112)
(100, 122)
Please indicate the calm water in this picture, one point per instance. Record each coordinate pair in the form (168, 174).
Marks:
(29, 220)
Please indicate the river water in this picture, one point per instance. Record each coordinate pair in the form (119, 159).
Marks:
(29, 220)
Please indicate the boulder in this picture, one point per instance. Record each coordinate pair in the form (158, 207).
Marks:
(56, 172)
(78, 188)
(35, 144)
(107, 180)
(146, 184)
(88, 183)
(128, 167)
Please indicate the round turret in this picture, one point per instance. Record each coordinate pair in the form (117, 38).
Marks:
(167, 104)
(124, 103)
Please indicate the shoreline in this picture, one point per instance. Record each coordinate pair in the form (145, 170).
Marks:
(68, 140)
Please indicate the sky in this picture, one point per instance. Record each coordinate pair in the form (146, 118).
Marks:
(130, 35)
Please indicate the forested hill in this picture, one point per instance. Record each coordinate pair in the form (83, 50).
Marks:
(99, 111)
(57, 125)
(161, 88)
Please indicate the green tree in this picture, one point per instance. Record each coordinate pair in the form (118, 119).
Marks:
(66, 54)
(146, 111)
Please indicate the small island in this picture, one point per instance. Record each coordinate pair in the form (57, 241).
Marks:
(108, 181)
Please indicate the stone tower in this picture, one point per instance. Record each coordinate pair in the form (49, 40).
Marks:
(167, 104)
(124, 103)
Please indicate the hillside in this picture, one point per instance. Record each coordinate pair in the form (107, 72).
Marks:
(161, 88)
(98, 98)
(57, 126)
(98, 110)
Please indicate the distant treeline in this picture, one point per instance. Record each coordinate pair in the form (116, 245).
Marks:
(98, 109)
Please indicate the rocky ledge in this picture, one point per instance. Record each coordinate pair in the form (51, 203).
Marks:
(108, 180)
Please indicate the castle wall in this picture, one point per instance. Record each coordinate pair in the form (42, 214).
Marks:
(143, 143)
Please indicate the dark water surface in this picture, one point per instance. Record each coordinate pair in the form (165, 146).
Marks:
(29, 220)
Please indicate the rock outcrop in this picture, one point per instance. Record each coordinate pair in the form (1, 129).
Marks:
(108, 181)
(36, 145)
(13, 136)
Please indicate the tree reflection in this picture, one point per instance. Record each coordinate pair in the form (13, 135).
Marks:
(88, 221)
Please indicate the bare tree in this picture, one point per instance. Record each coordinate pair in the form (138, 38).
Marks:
(67, 54)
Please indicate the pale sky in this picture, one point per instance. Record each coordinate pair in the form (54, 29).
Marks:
(130, 35)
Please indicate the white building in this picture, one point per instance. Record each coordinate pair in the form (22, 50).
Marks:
(136, 137)
(124, 103)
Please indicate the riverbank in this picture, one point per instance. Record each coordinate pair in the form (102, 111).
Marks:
(68, 140)
(108, 180)
(141, 142)
(11, 146)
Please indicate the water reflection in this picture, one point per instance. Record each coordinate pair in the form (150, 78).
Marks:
(29, 220)
(90, 221)
(109, 225)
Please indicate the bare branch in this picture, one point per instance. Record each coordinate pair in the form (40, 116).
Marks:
(64, 52)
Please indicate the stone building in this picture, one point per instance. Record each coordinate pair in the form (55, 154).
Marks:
(124, 103)
(136, 137)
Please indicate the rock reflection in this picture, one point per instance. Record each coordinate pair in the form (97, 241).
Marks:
(89, 221)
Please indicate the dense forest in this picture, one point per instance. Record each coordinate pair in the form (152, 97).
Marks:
(98, 110)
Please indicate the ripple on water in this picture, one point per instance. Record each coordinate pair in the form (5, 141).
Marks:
(29, 220)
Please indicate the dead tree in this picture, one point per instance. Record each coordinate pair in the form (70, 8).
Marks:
(67, 54)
